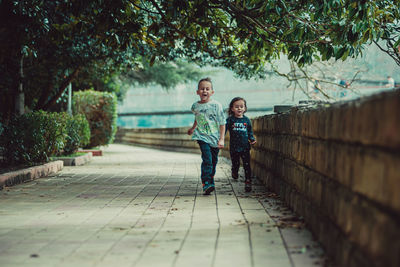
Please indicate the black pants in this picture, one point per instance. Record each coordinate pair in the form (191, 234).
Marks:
(245, 156)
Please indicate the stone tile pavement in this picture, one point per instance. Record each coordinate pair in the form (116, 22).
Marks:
(142, 207)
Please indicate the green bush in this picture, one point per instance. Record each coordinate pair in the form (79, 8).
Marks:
(100, 109)
(78, 133)
(1, 132)
(33, 137)
(84, 129)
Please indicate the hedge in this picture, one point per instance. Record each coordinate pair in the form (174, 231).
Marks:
(100, 109)
(78, 133)
(33, 137)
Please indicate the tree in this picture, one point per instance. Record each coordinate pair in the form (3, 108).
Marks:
(242, 35)
(95, 37)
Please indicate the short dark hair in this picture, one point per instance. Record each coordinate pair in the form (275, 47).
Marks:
(206, 79)
(230, 112)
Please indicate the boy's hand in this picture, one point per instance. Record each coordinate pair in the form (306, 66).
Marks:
(221, 143)
(253, 142)
(190, 131)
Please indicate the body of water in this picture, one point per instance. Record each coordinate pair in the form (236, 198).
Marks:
(263, 94)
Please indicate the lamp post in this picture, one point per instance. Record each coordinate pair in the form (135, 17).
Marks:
(69, 108)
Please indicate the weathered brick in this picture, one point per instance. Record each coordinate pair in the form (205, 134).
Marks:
(391, 196)
(332, 128)
(343, 164)
(329, 197)
(295, 148)
(381, 224)
(389, 123)
(305, 124)
(370, 114)
(347, 111)
(267, 124)
(369, 181)
(345, 211)
(255, 124)
(313, 122)
(326, 123)
(309, 150)
(304, 149)
(297, 122)
(284, 123)
(361, 227)
(316, 189)
(288, 146)
(321, 156)
(297, 178)
(356, 156)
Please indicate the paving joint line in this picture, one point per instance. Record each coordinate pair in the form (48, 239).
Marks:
(190, 225)
(162, 224)
(244, 217)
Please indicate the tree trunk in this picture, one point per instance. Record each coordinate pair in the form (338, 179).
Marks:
(45, 94)
(20, 96)
(60, 90)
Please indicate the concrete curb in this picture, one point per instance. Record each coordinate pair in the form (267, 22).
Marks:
(28, 174)
(76, 161)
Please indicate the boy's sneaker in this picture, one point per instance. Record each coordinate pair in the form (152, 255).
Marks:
(208, 188)
(247, 185)
(235, 175)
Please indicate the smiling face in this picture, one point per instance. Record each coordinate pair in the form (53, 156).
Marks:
(205, 91)
(238, 108)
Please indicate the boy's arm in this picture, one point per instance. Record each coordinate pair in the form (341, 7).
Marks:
(191, 130)
(221, 141)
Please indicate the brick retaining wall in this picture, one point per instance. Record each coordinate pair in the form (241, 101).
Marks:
(175, 139)
(336, 165)
(339, 167)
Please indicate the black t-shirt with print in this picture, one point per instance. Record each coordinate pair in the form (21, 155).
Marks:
(240, 132)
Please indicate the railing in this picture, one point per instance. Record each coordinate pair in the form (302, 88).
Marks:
(179, 112)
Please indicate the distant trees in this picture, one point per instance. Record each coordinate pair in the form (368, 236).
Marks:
(103, 38)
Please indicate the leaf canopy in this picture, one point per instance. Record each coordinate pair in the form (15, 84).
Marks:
(241, 35)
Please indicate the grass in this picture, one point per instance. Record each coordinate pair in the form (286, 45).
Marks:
(73, 155)
(92, 148)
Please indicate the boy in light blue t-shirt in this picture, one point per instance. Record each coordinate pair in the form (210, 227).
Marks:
(209, 131)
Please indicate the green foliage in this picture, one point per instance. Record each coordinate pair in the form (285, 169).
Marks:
(1, 128)
(100, 109)
(102, 38)
(33, 137)
(83, 129)
(78, 133)
(244, 35)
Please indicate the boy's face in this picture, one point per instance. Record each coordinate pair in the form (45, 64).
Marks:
(205, 91)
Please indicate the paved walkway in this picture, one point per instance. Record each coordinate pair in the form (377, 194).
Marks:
(142, 207)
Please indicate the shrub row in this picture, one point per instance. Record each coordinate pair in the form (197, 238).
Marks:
(34, 137)
(78, 133)
(100, 109)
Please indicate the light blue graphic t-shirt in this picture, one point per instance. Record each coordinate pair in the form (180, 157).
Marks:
(209, 117)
